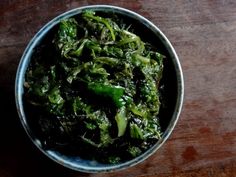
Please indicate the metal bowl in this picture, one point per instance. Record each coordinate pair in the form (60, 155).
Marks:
(172, 79)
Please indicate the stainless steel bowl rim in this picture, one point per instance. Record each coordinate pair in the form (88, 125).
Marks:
(25, 59)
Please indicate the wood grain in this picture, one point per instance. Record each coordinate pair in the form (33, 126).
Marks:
(203, 33)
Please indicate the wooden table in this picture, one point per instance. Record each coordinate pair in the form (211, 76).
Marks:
(203, 33)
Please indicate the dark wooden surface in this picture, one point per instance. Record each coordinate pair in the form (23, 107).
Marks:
(203, 33)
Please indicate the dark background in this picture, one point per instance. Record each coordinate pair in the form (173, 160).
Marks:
(203, 32)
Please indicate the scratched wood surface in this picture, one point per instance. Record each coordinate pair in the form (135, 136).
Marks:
(203, 33)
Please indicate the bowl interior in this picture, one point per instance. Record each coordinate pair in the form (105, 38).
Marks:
(172, 82)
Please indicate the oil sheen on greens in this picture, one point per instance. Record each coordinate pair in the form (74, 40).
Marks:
(94, 92)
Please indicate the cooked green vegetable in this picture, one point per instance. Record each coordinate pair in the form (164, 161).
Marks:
(96, 86)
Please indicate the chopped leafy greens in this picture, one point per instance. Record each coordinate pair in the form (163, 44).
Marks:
(97, 89)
